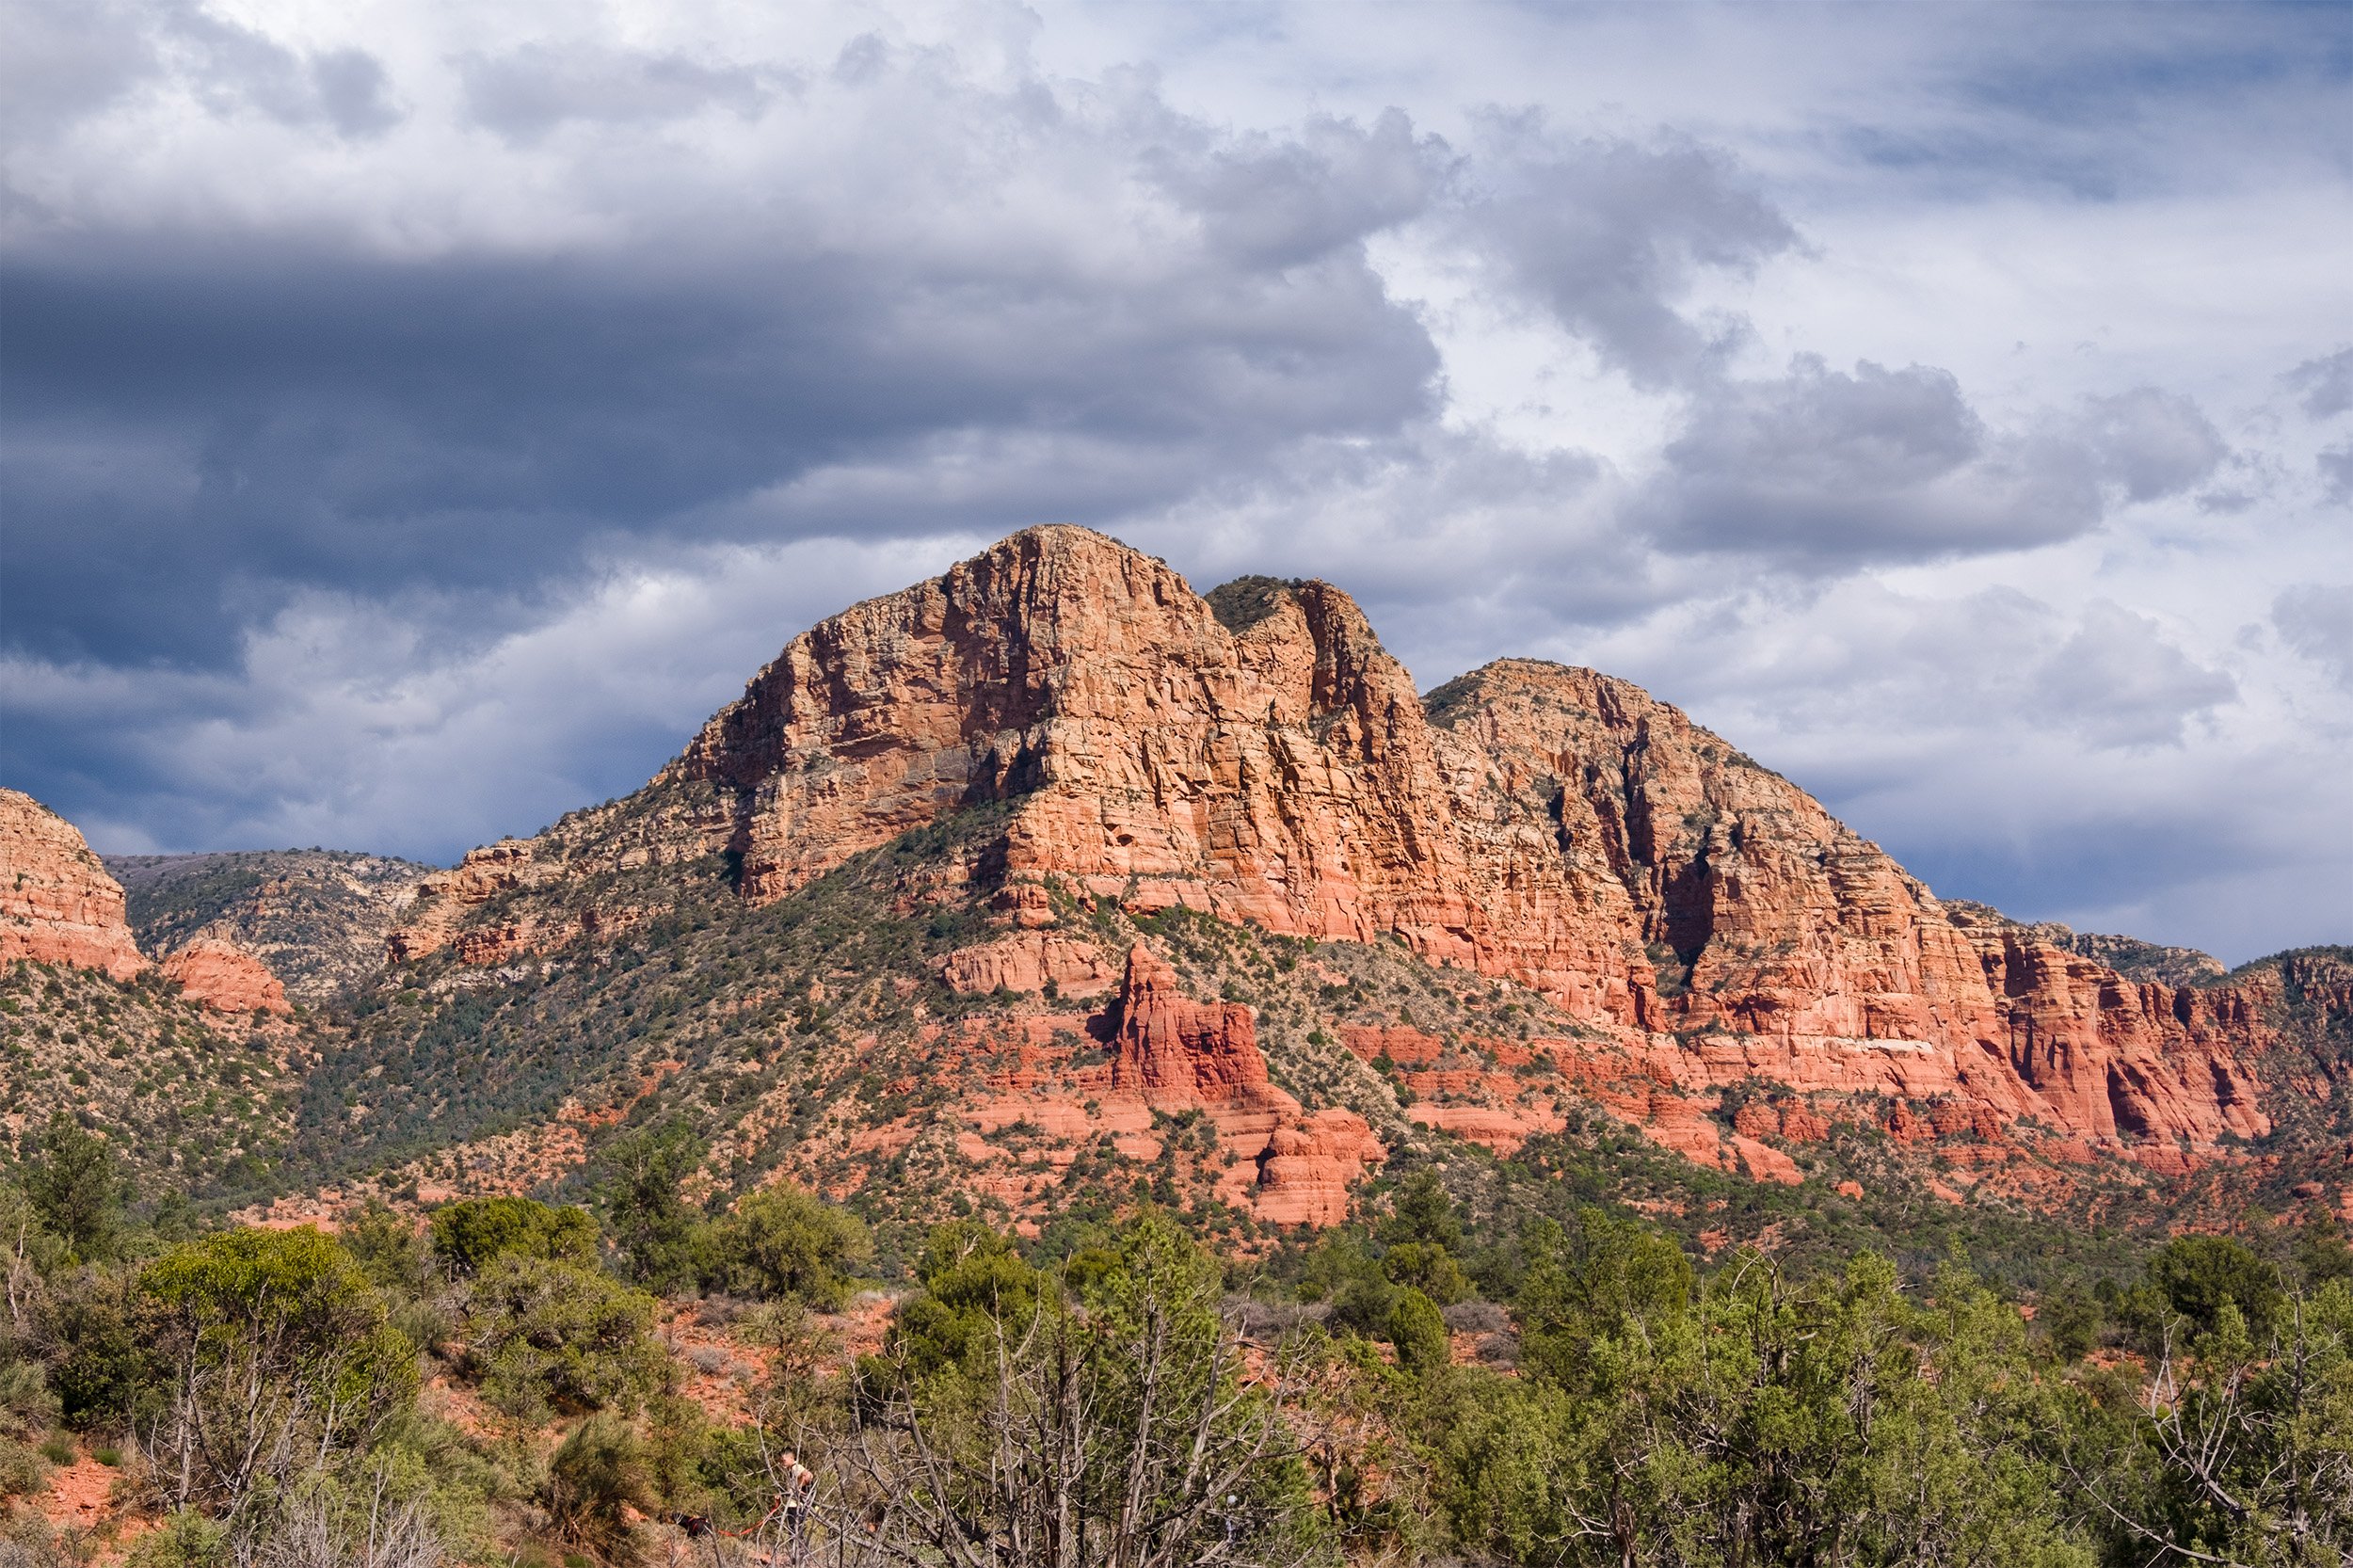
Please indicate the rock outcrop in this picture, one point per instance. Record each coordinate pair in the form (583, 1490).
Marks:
(1030, 961)
(58, 904)
(225, 978)
(1257, 756)
(1176, 1055)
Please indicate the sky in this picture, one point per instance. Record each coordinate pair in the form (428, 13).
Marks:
(416, 416)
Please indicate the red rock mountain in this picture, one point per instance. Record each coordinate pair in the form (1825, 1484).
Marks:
(57, 905)
(1259, 756)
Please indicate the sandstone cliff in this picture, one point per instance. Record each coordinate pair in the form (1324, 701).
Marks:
(1256, 755)
(58, 904)
(225, 978)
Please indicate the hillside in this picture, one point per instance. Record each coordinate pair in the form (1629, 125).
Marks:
(186, 1066)
(874, 926)
(317, 918)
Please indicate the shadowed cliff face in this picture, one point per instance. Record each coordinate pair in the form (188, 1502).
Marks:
(1549, 826)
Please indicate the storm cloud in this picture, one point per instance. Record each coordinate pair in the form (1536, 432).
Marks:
(414, 420)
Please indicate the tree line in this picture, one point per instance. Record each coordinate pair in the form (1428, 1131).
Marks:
(506, 1380)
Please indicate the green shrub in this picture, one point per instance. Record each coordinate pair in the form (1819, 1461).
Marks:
(469, 1234)
(72, 1180)
(783, 1241)
(2198, 1273)
(1425, 1267)
(185, 1540)
(552, 1334)
(1419, 1331)
(390, 1248)
(22, 1472)
(597, 1475)
(267, 1345)
(98, 1365)
(661, 1239)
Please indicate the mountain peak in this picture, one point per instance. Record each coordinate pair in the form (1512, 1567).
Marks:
(1255, 756)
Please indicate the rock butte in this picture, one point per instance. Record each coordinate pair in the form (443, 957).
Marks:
(1265, 759)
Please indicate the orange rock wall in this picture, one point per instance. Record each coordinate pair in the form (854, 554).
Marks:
(58, 904)
(1552, 825)
(226, 978)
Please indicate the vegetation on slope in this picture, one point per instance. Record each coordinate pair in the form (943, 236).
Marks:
(317, 918)
(504, 1385)
(202, 1104)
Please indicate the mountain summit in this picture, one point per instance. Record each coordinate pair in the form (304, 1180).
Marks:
(1049, 876)
(1709, 952)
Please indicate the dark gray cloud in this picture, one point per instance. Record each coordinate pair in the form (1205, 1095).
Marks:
(2336, 473)
(202, 422)
(1821, 469)
(1609, 236)
(527, 92)
(2152, 443)
(2324, 384)
(2317, 622)
(1275, 202)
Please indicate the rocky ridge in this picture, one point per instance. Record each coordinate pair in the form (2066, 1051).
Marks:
(1048, 875)
(1258, 758)
(318, 919)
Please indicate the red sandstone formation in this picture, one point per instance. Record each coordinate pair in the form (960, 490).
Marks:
(1175, 1054)
(1308, 1167)
(1030, 961)
(1704, 919)
(58, 904)
(226, 978)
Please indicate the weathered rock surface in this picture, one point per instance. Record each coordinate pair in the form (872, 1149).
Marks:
(1257, 756)
(1175, 1054)
(58, 904)
(226, 978)
(1030, 961)
(1308, 1168)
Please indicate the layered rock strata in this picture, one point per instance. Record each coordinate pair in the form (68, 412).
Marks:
(1260, 757)
(58, 904)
